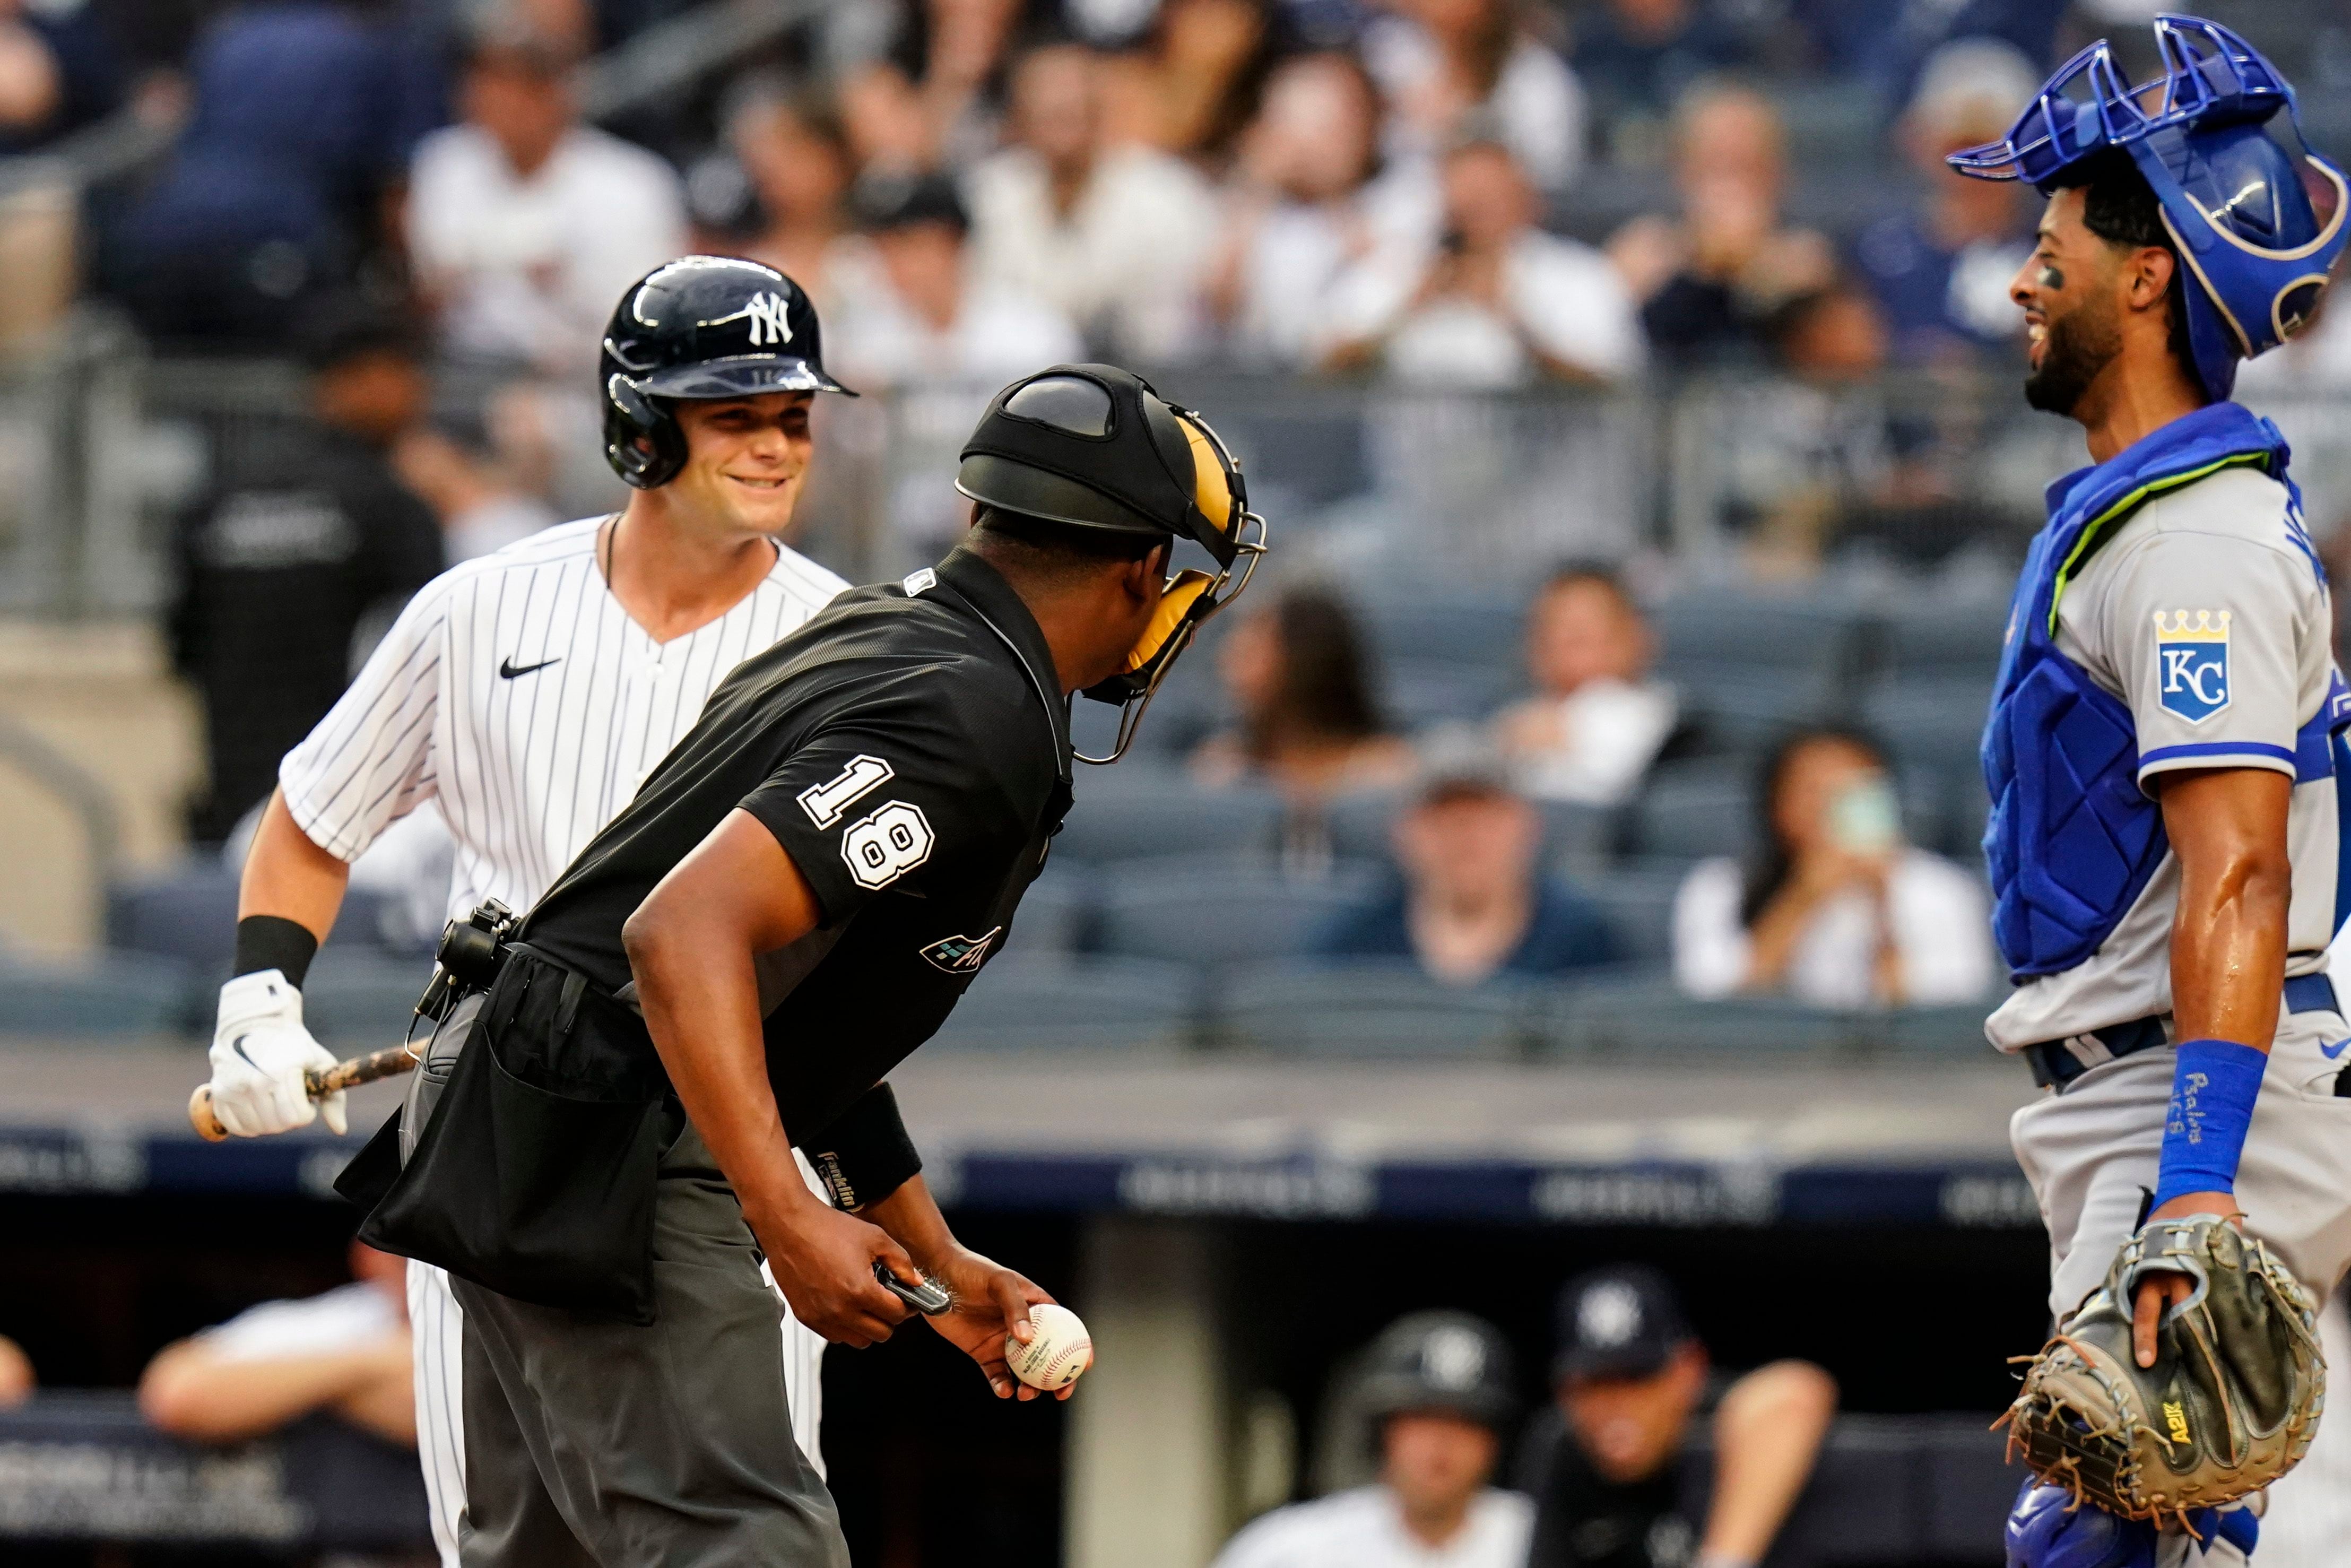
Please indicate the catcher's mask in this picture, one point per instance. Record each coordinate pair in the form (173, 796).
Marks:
(2256, 214)
(1097, 448)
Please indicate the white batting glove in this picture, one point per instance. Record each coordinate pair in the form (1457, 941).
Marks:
(260, 1051)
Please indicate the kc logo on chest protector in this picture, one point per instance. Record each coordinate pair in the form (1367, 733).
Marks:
(2191, 662)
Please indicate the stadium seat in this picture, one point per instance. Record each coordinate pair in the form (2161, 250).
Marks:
(1171, 911)
(1368, 1009)
(1422, 693)
(1630, 1018)
(1931, 723)
(1749, 666)
(1484, 632)
(189, 912)
(1077, 1003)
(126, 994)
(1954, 639)
(1956, 1031)
(1693, 810)
(1638, 900)
(1056, 913)
(357, 1002)
(1151, 812)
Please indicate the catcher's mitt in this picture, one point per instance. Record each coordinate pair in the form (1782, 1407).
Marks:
(2228, 1407)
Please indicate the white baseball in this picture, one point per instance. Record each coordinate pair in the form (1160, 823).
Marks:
(1062, 1350)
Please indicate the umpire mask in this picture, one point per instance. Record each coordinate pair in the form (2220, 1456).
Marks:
(1096, 447)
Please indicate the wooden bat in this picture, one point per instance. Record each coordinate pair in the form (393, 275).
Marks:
(389, 1062)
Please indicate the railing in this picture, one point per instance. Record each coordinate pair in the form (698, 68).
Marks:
(1726, 477)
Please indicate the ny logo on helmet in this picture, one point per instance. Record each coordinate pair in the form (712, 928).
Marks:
(769, 323)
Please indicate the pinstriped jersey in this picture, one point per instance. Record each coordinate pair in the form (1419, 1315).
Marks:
(517, 695)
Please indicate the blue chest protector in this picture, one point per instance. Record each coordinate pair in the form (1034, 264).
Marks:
(2072, 839)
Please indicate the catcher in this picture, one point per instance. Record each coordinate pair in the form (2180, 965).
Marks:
(2165, 757)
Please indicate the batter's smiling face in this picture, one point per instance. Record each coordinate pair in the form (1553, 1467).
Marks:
(745, 459)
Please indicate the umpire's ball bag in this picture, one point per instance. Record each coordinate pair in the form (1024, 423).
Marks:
(533, 1174)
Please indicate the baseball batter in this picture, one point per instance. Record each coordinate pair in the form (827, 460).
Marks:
(528, 694)
(2162, 746)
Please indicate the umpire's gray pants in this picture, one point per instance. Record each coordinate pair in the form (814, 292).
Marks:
(605, 1446)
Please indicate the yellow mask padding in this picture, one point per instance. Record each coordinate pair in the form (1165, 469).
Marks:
(1210, 491)
(1168, 619)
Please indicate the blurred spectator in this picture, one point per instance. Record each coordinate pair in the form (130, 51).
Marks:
(303, 116)
(934, 98)
(1114, 237)
(523, 225)
(1448, 66)
(1835, 909)
(1438, 1385)
(1707, 280)
(1198, 81)
(305, 534)
(1940, 269)
(17, 1379)
(795, 161)
(1637, 57)
(923, 317)
(1605, 1461)
(345, 1353)
(1496, 302)
(1598, 718)
(1805, 453)
(1297, 674)
(1474, 902)
(57, 71)
(1307, 199)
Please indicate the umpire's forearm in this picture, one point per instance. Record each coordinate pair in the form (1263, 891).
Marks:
(911, 1215)
(701, 1001)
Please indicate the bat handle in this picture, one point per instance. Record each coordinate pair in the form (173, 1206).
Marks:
(202, 1118)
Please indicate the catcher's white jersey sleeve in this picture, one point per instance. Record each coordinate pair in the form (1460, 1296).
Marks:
(517, 694)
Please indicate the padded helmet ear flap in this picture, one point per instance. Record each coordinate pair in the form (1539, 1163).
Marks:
(1183, 605)
(642, 439)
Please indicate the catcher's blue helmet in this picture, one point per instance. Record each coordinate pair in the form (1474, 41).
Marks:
(2257, 223)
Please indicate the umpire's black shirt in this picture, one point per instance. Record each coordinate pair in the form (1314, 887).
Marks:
(911, 752)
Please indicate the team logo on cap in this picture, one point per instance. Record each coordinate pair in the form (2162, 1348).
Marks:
(1453, 1358)
(770, 320)
(1609, 1315)
(2191, 662)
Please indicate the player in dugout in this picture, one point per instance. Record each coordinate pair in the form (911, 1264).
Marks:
(1607, 1463)
(792, 902)
(1436, 1391)
(2169, 782)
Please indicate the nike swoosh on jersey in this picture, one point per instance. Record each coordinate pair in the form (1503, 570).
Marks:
(508, 672)
(2332, 1052)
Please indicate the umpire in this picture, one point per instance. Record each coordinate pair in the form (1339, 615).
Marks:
(792, 903)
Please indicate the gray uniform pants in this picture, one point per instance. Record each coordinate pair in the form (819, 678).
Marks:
(601, 1445)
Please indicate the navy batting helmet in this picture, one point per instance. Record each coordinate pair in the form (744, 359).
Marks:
(1440, 1361)
(700, 328)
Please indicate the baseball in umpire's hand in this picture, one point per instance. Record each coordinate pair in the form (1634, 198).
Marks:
(824, 1262)
(992, 1308)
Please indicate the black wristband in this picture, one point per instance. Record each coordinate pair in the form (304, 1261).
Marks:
(865, 1155)
(272, 942)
